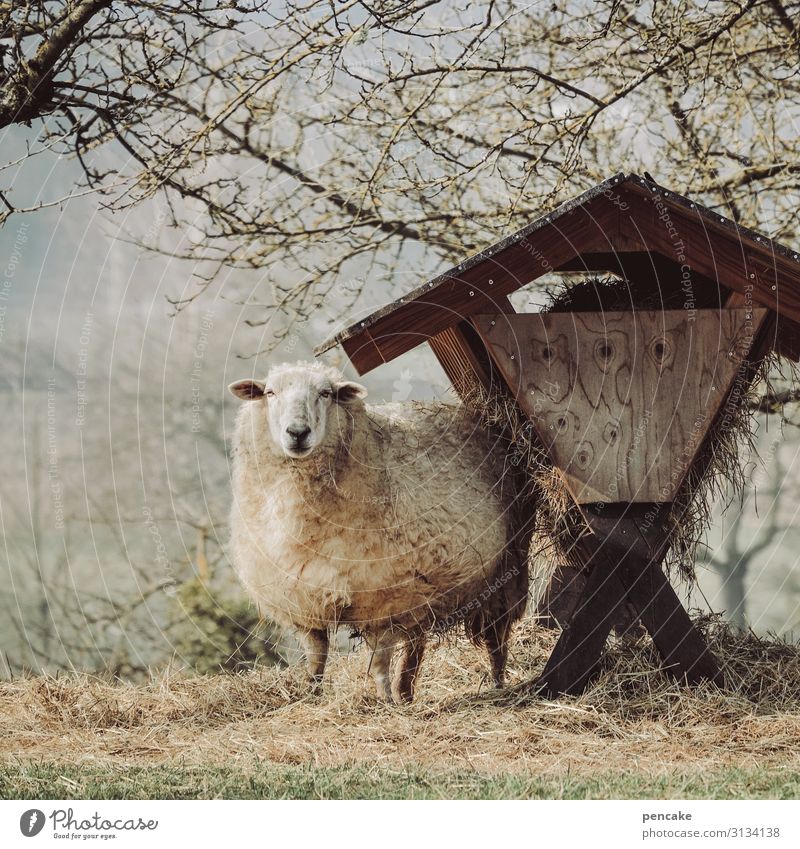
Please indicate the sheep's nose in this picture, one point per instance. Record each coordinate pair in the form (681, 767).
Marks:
(298, 433)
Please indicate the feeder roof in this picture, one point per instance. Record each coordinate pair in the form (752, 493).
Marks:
(627, 224)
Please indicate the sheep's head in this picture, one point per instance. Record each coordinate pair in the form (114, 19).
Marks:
(302, 405)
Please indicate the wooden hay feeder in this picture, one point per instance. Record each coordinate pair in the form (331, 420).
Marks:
(621, 401)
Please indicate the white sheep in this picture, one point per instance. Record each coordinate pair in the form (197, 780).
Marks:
(393, 520)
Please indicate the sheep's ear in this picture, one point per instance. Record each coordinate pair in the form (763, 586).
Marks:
(247, 390)
(348, 392)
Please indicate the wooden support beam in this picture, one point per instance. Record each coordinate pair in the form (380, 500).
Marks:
(685, 653)
(623, 554)
(463, 356)
(577, 653)
(559, 601)
(680, 644)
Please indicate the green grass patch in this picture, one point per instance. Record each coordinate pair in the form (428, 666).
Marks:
(271, 781)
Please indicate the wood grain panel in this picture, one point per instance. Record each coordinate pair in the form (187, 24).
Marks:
(623, 400)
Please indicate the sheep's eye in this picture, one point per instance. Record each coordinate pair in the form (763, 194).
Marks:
(269, 393)
(326, 393)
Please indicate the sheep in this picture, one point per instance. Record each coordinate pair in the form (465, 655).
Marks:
(394, 519)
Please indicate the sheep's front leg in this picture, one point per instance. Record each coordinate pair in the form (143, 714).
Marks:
(408, 667)
(315, 643)
(382, 650)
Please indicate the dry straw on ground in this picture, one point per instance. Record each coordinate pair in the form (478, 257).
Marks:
(633, 718)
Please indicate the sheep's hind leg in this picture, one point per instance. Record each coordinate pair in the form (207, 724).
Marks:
(316, 647)
(408, 668)
(496, 638)
(382, 650)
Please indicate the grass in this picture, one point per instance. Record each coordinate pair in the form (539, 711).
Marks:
(273, 781)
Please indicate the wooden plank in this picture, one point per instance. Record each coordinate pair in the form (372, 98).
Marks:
(361, 349)
(683, 649)
(736, 300)
(708, 219)
(787, 339)
(577, 652)
(561, 597)
(621, 401)
(462, 367)
(599, 554)
(463, 357)
(784, 335)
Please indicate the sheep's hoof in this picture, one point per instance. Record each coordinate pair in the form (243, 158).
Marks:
(384, 692)
(403, 696)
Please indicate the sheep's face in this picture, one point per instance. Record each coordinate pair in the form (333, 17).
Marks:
(300, 406)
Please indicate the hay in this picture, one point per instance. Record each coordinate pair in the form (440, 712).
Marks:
(633, 717)
(717, 476)
(555, 520)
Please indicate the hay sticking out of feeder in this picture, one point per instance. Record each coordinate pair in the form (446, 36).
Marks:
(614, 294)
(557, 521)
(717, 475)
